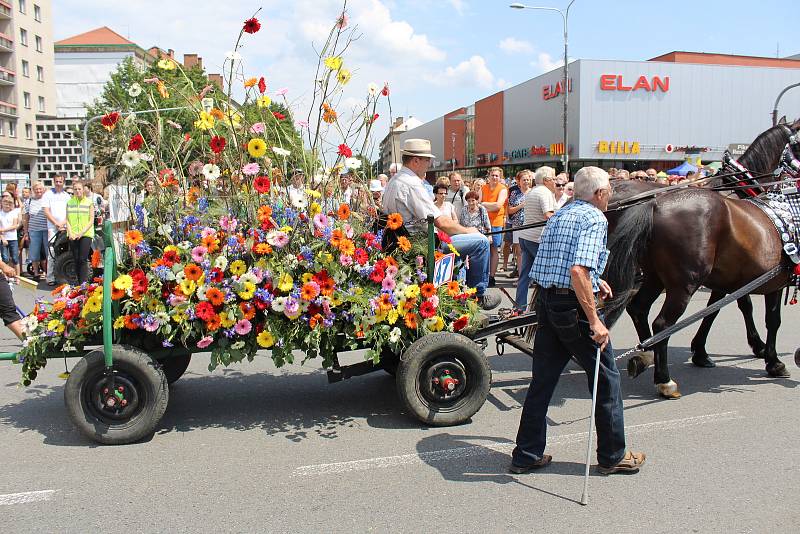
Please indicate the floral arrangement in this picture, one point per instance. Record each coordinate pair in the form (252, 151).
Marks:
(224, 256)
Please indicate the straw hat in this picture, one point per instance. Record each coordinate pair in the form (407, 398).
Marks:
(420, 148)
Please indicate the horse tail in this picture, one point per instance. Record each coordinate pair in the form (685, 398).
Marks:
(627, 246)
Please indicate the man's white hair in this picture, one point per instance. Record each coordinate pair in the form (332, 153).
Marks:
(543, 173)
(394, 167)
(588, 180)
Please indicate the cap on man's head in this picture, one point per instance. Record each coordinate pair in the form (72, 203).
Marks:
(420, 148)
(375, 186)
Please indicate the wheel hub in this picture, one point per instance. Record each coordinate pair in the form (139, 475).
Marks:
(116, 403)
(446, 381)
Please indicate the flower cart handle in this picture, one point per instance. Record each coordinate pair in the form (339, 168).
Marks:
(431, 261)
(109, 268)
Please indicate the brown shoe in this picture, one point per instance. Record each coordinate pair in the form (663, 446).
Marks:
(522, 469)
(630, 464)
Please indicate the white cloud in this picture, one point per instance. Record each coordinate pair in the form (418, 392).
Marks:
(501, 83)
(545, 62)
(468, 74)
(511, 45)
(458, 5)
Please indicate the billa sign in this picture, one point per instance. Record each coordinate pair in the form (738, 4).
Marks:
(552, 91)
(618, 147)
(615, 82)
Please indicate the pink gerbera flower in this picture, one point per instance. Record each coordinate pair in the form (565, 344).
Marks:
(251, 169)
(257, 128)
(388, 284)
(205, 342)
(391, 271)
(243, 327)
(320, 221)
(199, 253)
(345, 260)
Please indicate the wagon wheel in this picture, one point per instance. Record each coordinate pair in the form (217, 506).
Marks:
(128, 412)
(64, 270)
(797, 357)
(443, 379)
(175, 365)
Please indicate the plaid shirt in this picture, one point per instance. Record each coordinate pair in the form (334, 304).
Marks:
(574, 235)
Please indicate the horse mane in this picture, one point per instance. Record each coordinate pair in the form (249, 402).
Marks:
(764, 152)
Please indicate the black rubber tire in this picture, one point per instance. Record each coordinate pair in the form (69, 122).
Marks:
(130, 365)
(174, 366)
(435, 349)
(64, 270)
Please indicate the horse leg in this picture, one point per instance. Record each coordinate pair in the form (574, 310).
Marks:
(639, 310)
(753, 339)
(674, 306)
(698, 346)
(775, 367)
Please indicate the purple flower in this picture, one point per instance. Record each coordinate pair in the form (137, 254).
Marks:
(150, 323)
(243, 327)
(166, 344)
(251, 169)
(291, 307)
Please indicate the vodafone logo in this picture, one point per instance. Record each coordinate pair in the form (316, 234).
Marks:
(669, 149)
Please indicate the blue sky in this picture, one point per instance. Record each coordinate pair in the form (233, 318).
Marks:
(438, 55)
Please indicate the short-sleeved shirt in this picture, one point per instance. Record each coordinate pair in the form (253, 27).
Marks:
(449, 210)
(405, 194)
(575, 235)
(478, 219)
(497, 218)
(538, 201)
(57, 202)
(7, 219)
(515, 198)
(456, 198)
(36, 219)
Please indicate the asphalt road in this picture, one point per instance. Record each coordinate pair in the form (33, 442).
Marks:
(255, 449)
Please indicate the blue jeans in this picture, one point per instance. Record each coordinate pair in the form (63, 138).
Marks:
(37, 250)
(528, 251)
(10, 252)
(563, 331)
(476, 247)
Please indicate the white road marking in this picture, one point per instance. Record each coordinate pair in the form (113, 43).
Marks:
(480, 450)
(26, 497)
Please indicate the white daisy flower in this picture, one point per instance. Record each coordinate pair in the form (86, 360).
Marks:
(210, 172)
(221, 263)
(131, 158)
(394, 335)
(352, 163)
(134, 90)
(281, 151)
(372, 89)
(279, 304)
(298, 201)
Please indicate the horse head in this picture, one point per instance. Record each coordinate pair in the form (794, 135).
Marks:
(764, 153)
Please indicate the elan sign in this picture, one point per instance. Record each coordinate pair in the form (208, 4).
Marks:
(616, 82)
(553, 90)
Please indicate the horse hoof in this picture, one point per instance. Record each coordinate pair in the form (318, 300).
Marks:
(669, 390)
(639, 363)
(778, 371)
(706, 362)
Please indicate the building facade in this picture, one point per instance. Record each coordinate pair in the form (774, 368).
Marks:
(27, 85)
(390, 147)
(625, 114)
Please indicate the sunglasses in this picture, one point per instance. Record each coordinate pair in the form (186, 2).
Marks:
(560, 186)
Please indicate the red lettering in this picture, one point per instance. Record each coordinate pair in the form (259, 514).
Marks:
(607, 82)
(546, 92)
(663, 85)
(559, 89)
(621, 87)
(642, 83)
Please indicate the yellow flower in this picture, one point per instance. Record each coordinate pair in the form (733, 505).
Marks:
(247, 291)
(326, 257)
(123, 282)
(162, 89)
(55, 325)
(263, 101)
(333, 62)
(172, 248)
(256, 147)
(412, 291)
(315, 209)
(237, 268)
(226, 320)
(285, 282)
(180, 316)
(358, 290)
(393, 316)
(265, 340)
(205, 122)
(234, 121)
(307, 277)
(166, 64)
(188, 287)
(250, 82)
(153, 305)
(92, 305)
(344, 76)
(313, 194)
(119, 322)
(434, 324)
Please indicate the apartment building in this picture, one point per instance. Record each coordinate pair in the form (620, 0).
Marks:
(27, 85)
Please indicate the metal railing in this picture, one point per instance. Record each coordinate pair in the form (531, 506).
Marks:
(8, 109)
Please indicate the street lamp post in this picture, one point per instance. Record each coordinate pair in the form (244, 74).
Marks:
(777, 101)
(565, 83)
(453, 138)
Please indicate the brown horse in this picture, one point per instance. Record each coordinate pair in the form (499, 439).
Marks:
(686, 239)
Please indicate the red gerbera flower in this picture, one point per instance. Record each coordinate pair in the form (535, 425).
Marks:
(217, 144)
(377, 275)
(460, 323)
(215, 276)
(204, 310)
(361, 256)
(279, 116)
(109, 120)
(136, 142)
(262, 184)
(262, 85)
(345, 151)
(385, 90)
(170, 258)
(427, 309)
(252, 25)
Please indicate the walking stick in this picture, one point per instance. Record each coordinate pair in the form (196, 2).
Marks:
(585, 496)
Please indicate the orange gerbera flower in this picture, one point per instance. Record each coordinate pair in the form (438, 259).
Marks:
(404, 243)
(411, 321)
(394, 221)
(347, 247)
(327, 286)
(437, 255)
(410, 304)
(315, 320)
(192, 272)
(264, 213)
(248, 310)
(309, 291)
(59, 305)
(217, 113)
(343, 212)
(215, 296)
(213, 323)
(390, 261)
(193, 195)
(385, 302)
(129, 324)
(117, 294)
(262, 248)
(336, 238)
(211, 243)
(250, 82)
(97, 259)
(133, 238)
(452, 288)
(427, 290)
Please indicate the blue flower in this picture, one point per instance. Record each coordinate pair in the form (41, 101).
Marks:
(166, 344)
(202, 205)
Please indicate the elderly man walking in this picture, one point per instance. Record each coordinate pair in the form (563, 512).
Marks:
(405, 194)
(571, 257)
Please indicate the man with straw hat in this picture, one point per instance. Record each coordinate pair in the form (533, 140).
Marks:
(406, 194)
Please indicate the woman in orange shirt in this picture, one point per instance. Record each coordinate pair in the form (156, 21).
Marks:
(494, 197)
